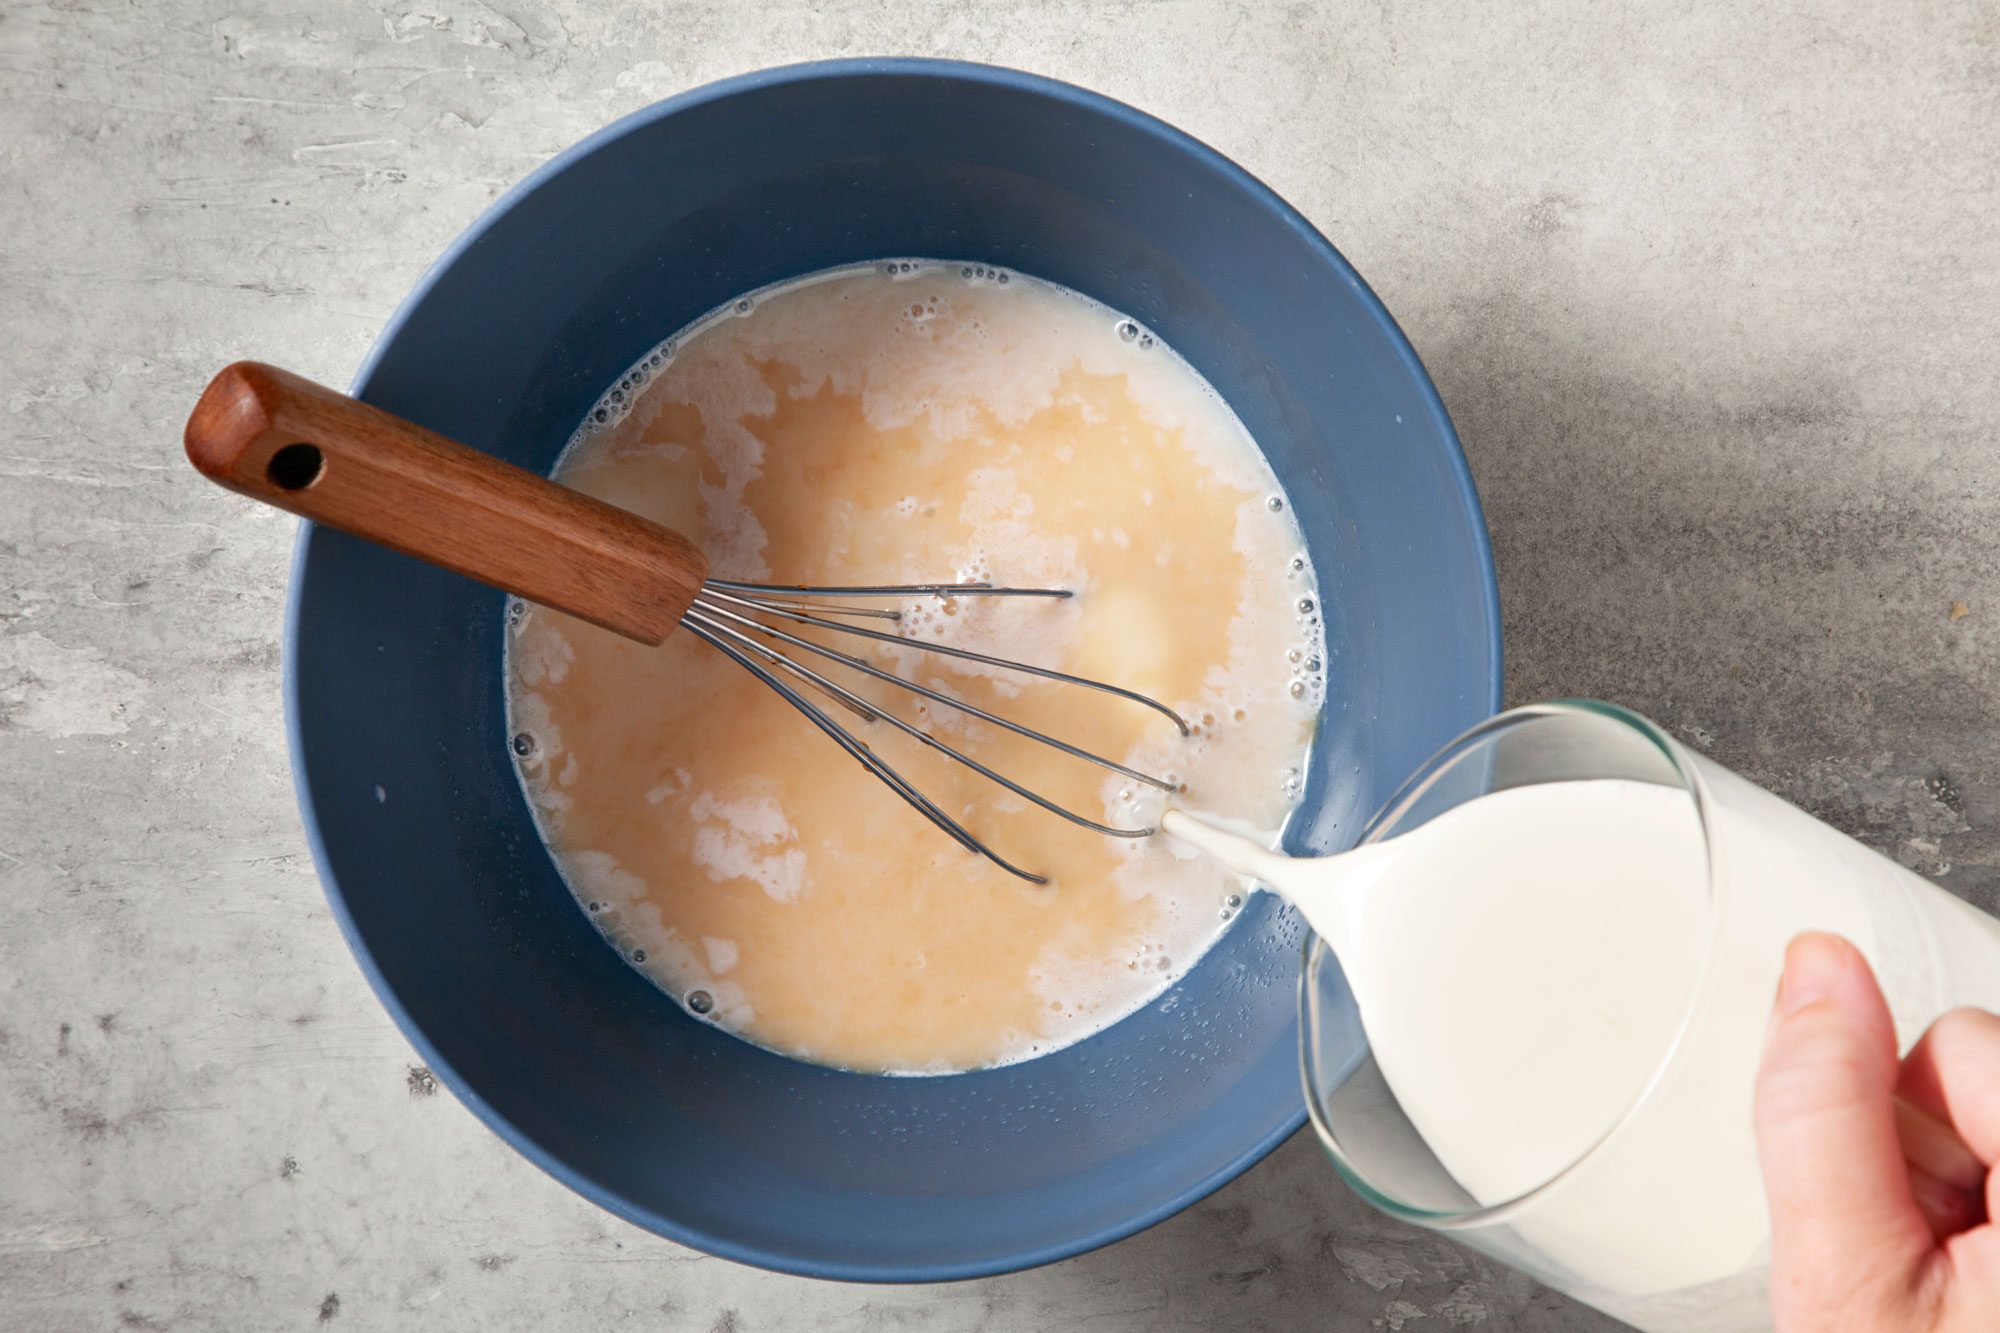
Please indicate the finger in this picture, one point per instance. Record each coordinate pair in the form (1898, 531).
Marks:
(1953, 1074)
(1842, 1210)
(1933, 1146)
(1949, 1209)
(1946, 1179)
(1972, 1269)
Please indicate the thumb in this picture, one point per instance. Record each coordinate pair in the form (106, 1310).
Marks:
(1843, 1220)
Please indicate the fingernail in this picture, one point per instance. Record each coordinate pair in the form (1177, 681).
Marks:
(1815, 965)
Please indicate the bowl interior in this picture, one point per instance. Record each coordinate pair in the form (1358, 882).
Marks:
(446, 893)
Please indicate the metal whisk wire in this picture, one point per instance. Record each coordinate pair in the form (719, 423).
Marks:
(724, 615)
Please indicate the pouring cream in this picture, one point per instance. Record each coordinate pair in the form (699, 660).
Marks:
(1565, 986)
(1521, 962)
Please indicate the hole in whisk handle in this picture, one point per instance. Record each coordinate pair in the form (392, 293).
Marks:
(295, 467)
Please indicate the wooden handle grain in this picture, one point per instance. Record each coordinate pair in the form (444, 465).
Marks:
(270, 435)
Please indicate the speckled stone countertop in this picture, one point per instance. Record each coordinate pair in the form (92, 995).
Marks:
(1715, 302)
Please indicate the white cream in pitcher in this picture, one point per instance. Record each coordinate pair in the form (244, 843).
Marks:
(907, 422)
(1559, 984)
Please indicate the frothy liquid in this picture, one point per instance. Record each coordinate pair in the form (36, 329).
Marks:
(902, 423)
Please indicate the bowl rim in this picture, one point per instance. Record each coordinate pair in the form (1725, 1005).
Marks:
(915, 68)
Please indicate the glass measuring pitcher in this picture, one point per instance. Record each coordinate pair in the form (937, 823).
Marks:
(1659, 1219)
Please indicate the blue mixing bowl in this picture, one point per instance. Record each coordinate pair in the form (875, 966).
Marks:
(394, 692)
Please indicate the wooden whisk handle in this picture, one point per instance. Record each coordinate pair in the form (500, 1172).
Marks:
(270, 435)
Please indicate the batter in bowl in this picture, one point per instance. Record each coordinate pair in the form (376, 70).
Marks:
(907, 422)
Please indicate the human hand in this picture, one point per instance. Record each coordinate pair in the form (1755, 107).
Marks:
(1879, 1172)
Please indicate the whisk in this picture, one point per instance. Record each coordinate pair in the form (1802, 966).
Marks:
(284, 440)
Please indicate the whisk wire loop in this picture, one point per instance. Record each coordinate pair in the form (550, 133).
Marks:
(725, 616)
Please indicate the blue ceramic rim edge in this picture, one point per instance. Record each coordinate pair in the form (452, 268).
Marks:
(999, 76)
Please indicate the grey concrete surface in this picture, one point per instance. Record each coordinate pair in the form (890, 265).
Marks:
(1714, 298)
